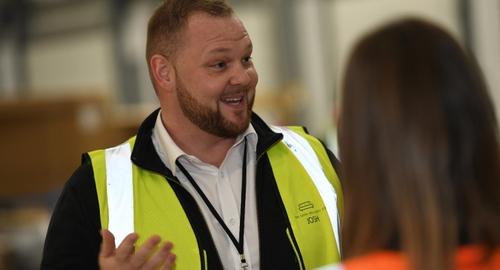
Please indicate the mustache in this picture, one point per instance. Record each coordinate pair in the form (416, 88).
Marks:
(237, 91)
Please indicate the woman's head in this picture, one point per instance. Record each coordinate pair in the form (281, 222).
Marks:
(419, 145)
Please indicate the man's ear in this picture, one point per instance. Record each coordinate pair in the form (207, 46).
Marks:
(162, 72)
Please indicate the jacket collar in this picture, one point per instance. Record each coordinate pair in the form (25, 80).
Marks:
(144, 153)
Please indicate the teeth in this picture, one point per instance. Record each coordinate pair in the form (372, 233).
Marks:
(233, 100)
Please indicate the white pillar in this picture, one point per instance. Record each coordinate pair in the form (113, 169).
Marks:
(485, 20)
(317, 70)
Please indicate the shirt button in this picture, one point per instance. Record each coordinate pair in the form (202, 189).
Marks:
(232, 221)
(222, 174)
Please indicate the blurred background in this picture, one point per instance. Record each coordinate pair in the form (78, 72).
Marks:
(73, 78)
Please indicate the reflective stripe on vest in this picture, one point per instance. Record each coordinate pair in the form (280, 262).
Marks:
(120, 191)
(306, 155)
(309, 204)
(312, 213)
(156, 209)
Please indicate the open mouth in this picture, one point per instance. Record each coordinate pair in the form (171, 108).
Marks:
(233, 100)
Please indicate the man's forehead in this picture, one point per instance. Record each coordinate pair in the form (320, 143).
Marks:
(205, 27)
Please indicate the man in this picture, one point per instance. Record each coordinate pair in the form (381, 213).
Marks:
(204, 172)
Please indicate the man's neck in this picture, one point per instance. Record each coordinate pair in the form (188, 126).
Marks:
(207, 147)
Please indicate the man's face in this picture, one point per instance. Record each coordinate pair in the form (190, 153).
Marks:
(215, 76)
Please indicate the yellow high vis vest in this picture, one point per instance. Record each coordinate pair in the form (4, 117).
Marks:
(132, 199)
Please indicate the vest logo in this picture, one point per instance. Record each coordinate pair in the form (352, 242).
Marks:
(305, 205)
(292, 147)
(312, 219)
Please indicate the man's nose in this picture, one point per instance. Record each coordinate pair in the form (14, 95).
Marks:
(241, 75)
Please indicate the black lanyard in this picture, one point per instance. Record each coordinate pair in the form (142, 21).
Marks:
(237, 244)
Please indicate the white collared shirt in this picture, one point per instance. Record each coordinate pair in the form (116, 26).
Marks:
(222, 186)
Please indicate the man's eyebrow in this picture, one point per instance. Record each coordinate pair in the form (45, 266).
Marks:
(249, 47)
(219, 50)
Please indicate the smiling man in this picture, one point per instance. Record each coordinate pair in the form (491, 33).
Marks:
(224, 189)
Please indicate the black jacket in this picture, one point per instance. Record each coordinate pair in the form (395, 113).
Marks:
(73, 237)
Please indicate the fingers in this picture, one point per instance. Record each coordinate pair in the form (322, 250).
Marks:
(108, 244)
(170, 262)
(143, 258)
(126, 248)
(161, 257)
(141, 255)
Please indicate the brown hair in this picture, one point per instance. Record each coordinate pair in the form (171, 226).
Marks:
(170, 18)
(419, 145)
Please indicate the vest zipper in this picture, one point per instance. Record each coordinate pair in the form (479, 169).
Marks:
(295, 247)
(203, 253)
(204, 265)
(265, 151)
(289, 231)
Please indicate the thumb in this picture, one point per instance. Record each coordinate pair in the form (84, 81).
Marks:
(108, 244)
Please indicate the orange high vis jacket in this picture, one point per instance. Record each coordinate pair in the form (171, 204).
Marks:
(467, 258)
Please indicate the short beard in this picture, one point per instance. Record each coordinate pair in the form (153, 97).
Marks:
(210, 120)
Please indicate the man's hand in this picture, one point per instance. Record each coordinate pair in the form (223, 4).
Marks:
(125, 257)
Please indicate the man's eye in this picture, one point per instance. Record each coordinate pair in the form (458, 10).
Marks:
(247, 59)
(219, 65)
